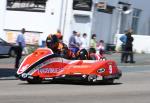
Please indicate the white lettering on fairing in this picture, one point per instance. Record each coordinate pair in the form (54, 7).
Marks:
(50, 70)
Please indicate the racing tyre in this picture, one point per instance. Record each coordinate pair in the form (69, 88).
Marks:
(34, 81)
(108, 81)
(92, 78)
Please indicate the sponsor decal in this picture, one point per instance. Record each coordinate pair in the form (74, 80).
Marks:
(50, 70)
(44, 64)
(101, 70)
(21, 70)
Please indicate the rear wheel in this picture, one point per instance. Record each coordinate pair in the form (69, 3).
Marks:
(108, 81)
(92, 78)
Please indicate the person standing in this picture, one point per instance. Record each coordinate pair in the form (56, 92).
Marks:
(101, 47)
(93, 44)
(78, 40)
(123, 39)
(20, 41)
(129, 47)
(73, 45)
(84, 41)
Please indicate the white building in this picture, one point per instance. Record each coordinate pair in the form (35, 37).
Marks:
(42, 17)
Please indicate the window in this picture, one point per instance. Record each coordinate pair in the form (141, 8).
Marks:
(26, 5)
(85, 5)
(109, 9)
(135, 19)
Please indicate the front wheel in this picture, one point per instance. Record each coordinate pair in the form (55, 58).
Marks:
(12, 53)
(34, 81)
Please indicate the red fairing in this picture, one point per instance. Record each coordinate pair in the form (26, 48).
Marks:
(43, 64)
(34, 57)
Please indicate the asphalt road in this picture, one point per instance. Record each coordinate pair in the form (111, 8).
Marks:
(133, 87)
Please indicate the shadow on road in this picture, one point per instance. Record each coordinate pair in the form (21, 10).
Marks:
(2, 57)
(7, 72)
(72, 83)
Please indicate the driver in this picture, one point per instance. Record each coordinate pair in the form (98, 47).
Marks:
(55, 43)
(52, 42)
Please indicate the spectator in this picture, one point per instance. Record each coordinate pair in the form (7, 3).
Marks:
(84, 44)
(123, 39)
(129, 47)
(93, 44)
(73, 45)
(20, 41)
(78, 40)
(101, 47)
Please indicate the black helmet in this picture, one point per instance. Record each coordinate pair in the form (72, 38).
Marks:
(82, 54)
(54, 39)
(53, 44)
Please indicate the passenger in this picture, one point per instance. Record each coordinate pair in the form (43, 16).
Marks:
(82, 54)
(68, 54)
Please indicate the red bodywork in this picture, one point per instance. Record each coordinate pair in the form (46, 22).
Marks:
(42, 64)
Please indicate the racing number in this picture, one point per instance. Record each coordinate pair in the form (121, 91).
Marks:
(110, 69)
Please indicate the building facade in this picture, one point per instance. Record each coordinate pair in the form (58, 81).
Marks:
(105, 18)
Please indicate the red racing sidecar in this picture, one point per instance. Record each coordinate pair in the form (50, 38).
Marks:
(44, 65)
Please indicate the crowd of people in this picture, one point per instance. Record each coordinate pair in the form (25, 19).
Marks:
(76, 42)
(78, 45)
